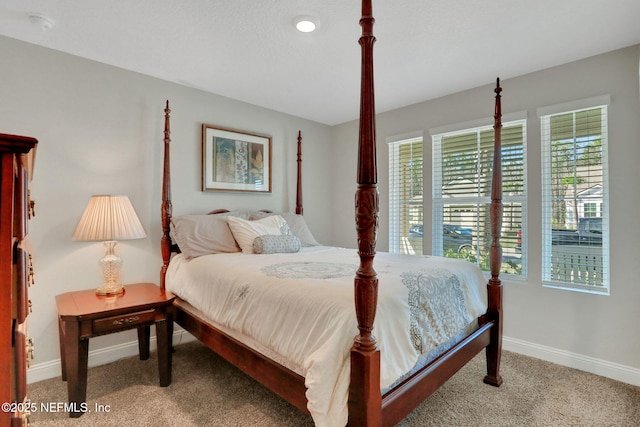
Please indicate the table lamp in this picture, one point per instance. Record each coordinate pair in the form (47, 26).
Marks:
(108, 219)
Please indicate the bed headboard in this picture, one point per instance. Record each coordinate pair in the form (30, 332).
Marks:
(166, 207)
(167, 247)
(299, 181)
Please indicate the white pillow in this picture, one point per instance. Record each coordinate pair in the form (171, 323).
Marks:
(299, 228)
(245, 231)
(198, 235)
(297, 224)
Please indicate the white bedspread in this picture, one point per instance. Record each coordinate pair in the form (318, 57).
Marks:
(301, 307)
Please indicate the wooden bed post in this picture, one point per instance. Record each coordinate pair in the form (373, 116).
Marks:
(299, 182)
(166, 208)
(365, 400)
(494, 287)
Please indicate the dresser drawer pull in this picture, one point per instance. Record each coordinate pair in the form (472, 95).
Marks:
(126, 320)
(31, 281)
(30, 349)
(123, 321)
(24, 410)
(32, 206)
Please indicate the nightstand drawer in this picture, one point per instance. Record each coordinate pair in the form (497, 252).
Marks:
(114, 323)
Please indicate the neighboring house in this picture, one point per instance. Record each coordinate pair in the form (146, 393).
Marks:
(585, 198)
(462, 217)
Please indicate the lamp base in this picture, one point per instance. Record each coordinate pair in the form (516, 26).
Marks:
(111, 265)
(110, 290)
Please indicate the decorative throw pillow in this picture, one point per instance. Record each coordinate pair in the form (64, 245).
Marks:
(276, 244)
(245, 232)
(198, 235)
(297, 224)
(299, 228)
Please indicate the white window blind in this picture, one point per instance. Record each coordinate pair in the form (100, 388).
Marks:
(462, 176)
(405, 196)
(575, 218)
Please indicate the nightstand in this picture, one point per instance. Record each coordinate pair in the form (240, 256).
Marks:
(83, 314)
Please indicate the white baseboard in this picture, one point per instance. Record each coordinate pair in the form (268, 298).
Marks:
(626, 374)
(102, 356)
(622, 373)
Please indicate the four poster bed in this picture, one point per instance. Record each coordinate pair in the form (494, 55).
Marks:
(305, 352)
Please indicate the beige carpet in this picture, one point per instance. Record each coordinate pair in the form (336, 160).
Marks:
(207, 391)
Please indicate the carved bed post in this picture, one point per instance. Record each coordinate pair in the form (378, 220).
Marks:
(365, 401)
(166, 208)
(494, 287)
(299, 183)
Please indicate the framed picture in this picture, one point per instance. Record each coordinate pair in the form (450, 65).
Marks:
(235, 161)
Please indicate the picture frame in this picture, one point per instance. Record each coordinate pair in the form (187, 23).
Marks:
(234, 160)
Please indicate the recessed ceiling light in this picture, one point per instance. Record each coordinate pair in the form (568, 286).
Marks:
(306, 24)
(42, 22)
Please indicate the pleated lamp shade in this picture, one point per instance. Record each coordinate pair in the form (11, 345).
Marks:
(109, 218)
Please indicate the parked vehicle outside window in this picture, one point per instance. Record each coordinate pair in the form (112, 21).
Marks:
(589, 233)
(455, 238)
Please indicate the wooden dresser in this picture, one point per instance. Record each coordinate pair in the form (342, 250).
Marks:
(16, 274)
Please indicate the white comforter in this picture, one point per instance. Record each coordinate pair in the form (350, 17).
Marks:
(300, 307)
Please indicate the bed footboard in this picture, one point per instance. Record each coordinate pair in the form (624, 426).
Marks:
(405, 397)
(494, 288)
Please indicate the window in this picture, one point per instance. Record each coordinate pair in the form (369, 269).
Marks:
(591, 210)
(462, 176)
(405, 196)
(575, 220)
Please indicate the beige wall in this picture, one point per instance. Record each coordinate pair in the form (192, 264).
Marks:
(100, 132)
(540, 320)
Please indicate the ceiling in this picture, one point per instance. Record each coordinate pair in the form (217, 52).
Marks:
(249, 49)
